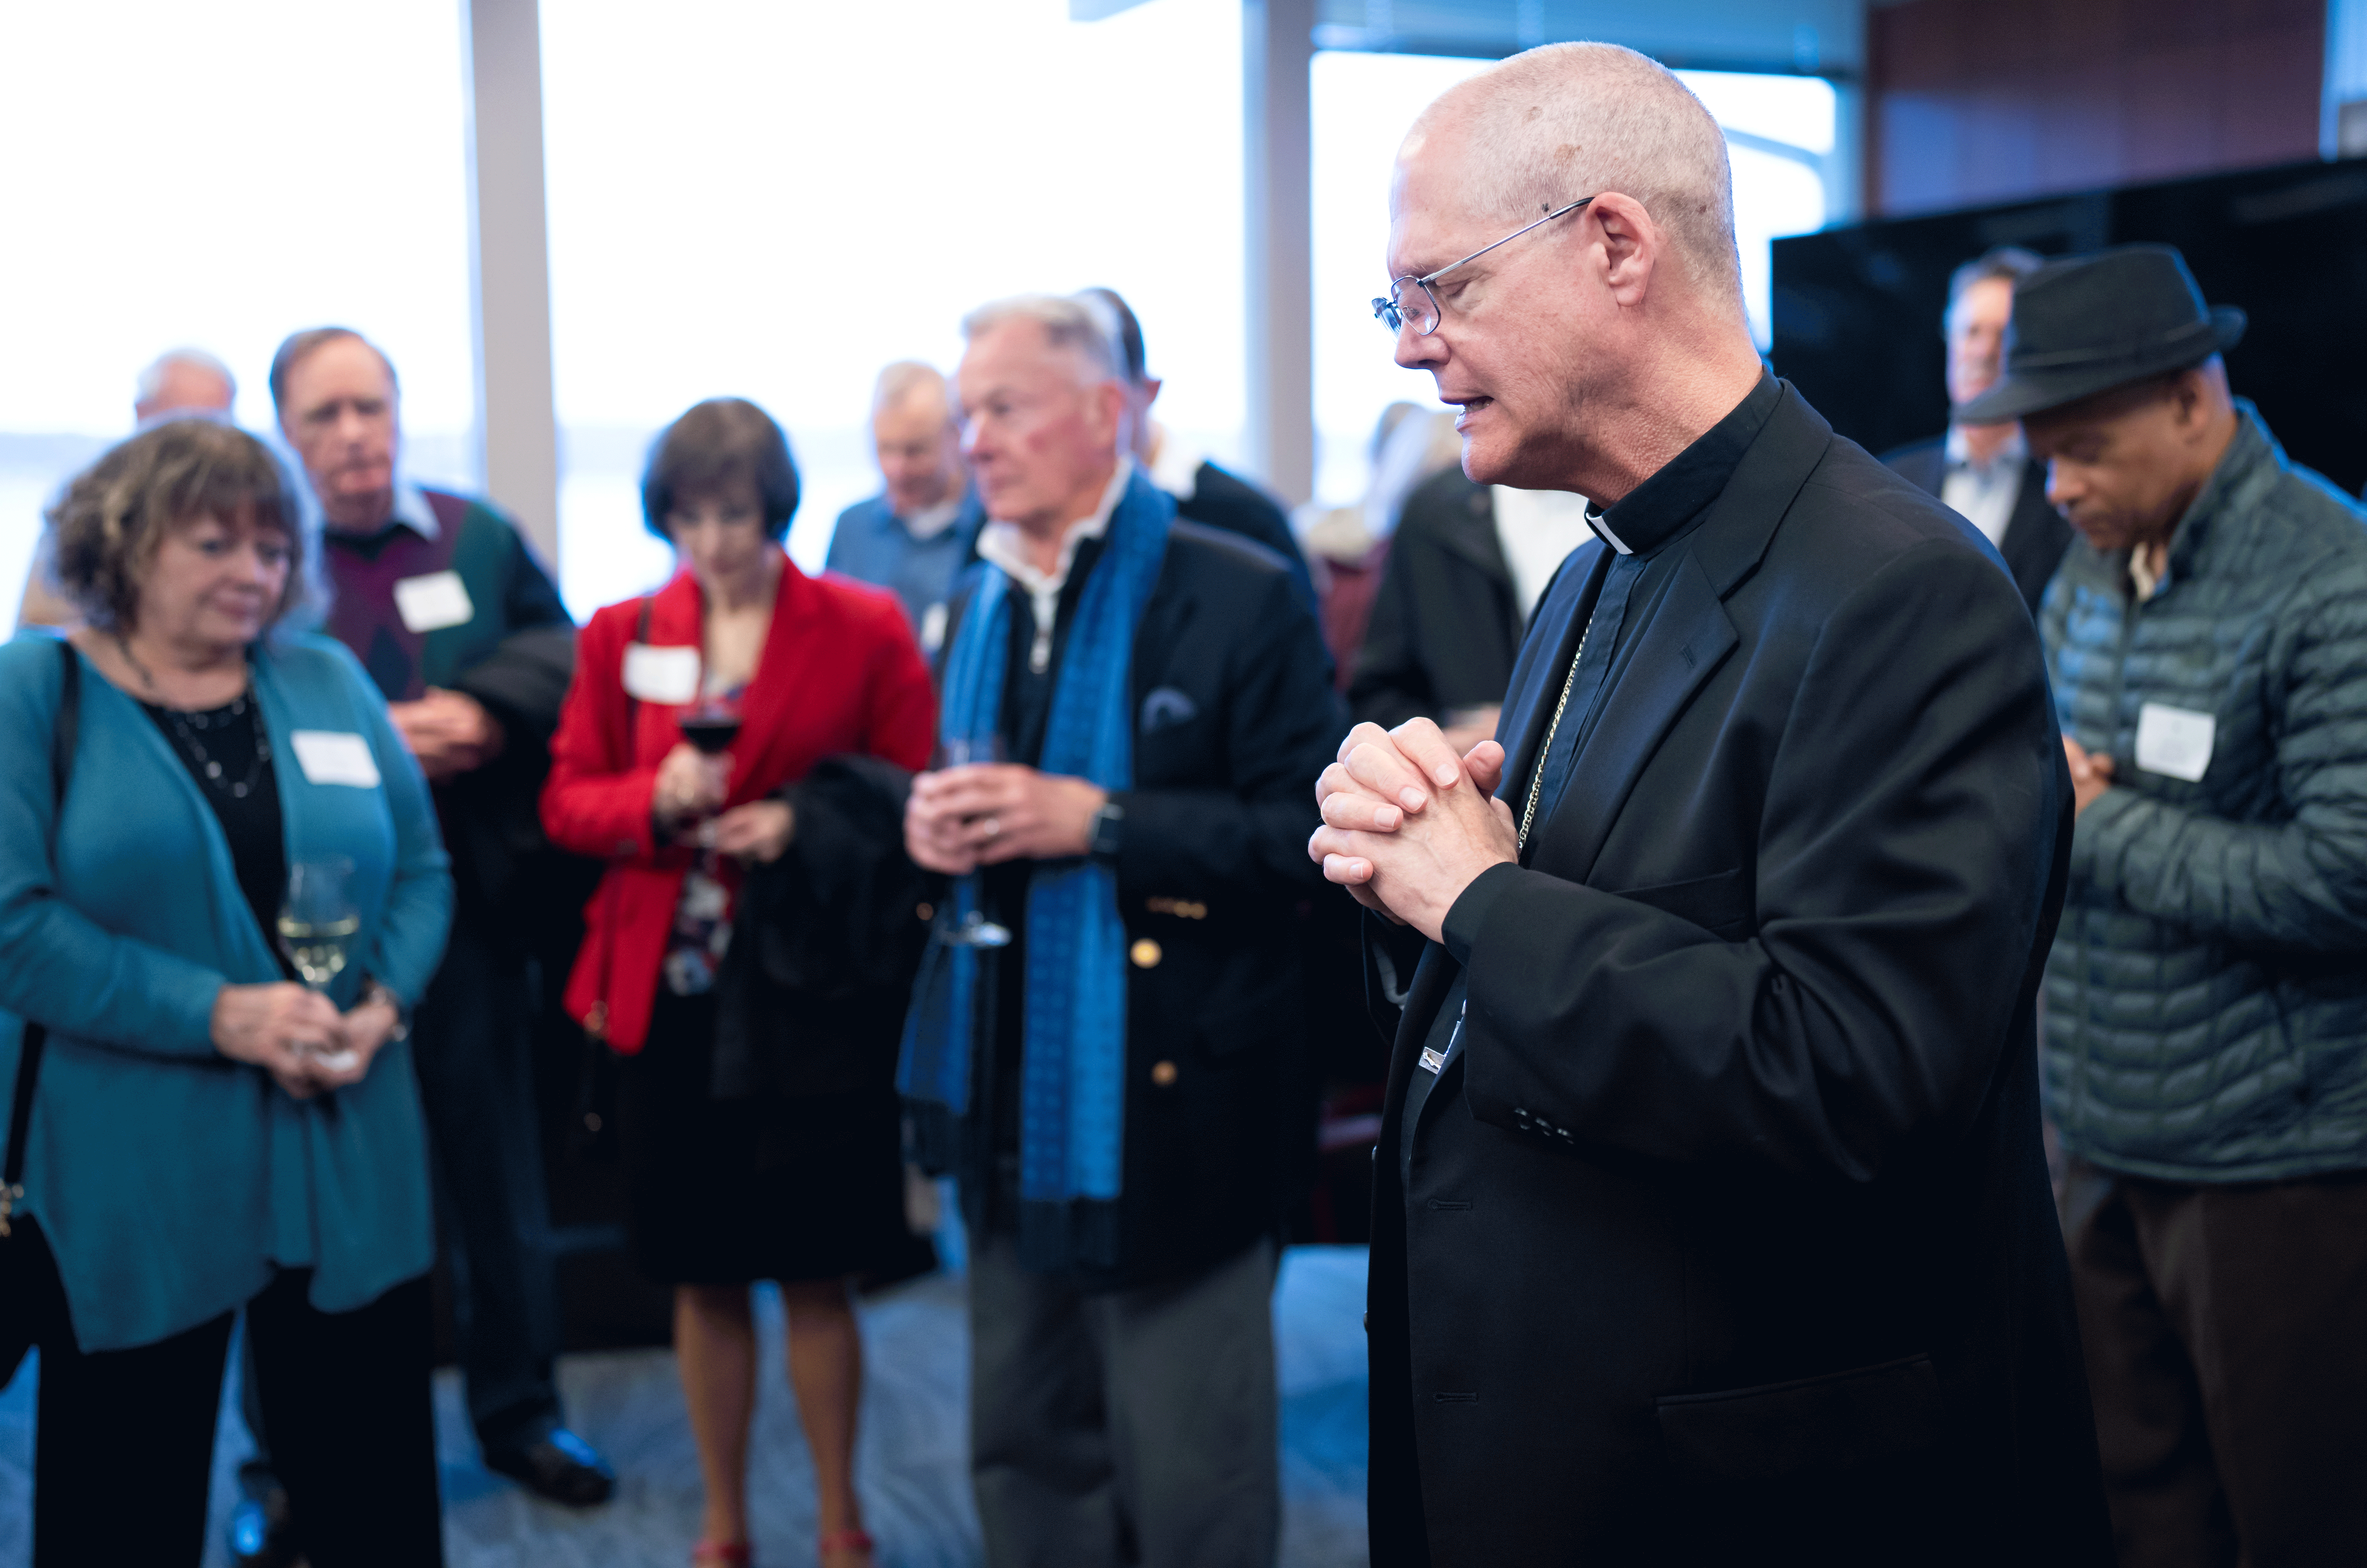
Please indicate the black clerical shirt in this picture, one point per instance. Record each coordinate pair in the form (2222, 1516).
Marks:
(1640, 531)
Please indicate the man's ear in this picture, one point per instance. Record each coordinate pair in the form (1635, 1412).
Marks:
(1109, 402)
(1630, 244)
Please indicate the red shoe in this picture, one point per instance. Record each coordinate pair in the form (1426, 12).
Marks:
(735, 1553)
(844, 1540)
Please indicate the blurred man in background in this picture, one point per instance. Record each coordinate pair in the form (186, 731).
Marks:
(2205, 1056)
(1983, 471)
(1466, 570)
(459, 627)
(185, 381)
(1203, 492)
(917, 534)
(181, 382)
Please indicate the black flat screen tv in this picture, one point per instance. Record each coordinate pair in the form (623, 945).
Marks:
(1857, 309)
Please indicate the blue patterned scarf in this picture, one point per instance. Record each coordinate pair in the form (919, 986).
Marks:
(1073, 1077)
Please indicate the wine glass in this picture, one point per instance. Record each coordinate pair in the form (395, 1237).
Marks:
(973, 930)
(317, 921)
(711, 727)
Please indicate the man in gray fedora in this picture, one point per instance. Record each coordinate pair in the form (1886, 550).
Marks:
(2205, 1055)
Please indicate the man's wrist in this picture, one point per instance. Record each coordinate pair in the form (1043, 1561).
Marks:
(1106, 831)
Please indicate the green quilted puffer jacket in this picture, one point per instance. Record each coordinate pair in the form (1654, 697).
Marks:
(2206, 999)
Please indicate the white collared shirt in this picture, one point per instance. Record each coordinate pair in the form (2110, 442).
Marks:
(1004, 546)
(1984, 493)
(932, 521)
(1537, 529)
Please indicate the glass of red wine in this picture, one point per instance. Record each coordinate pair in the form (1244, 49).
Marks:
(711, 727)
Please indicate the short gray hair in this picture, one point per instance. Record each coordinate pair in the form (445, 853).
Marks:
(2009, 261)
(1067, 322)
(152, 381)
(1567, 120)
(904, 378)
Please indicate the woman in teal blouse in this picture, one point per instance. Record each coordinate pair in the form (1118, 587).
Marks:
(206, 1134)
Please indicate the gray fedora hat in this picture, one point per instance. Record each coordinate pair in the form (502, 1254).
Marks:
(2086, 324)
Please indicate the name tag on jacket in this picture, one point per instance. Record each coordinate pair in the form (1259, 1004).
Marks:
(334, 757)
(2175, 742)
(661, 675)
(432, 602)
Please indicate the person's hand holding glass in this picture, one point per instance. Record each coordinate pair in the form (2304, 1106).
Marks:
(949, 829)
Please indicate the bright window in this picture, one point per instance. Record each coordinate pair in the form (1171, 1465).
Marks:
(220, 175)
(774, 201)
(1779, 130)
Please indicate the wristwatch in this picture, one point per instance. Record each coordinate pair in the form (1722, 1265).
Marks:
(374, 991)
(1109, 823)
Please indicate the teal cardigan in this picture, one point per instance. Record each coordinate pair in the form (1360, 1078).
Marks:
(170, 1180)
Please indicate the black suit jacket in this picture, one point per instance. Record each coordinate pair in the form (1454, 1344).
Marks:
(1235, 718)
(2036, 537)
(1446, 622)
(1223, 500)
(1729, 1236)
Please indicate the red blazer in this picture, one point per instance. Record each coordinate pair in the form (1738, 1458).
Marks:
(840, 673)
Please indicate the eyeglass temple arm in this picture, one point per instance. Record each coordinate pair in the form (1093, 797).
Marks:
(1560, 211)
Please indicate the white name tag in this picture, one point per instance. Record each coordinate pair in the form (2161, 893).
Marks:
(334, 757)
(430, 603)
(661, 675)
(933, 627)
(2174, 741)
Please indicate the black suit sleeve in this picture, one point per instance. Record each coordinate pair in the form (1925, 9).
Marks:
(1282, 725)
(1913, 806)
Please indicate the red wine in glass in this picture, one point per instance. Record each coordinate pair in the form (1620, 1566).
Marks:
(711, 728)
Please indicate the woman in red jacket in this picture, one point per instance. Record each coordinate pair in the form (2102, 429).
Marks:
(734, 1177)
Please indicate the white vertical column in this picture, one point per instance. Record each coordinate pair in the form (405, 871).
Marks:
(509, 281)
(1278, 47)
(2343, 122)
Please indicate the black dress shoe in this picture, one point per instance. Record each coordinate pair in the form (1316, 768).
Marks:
(558, 1465)
(260, 1536)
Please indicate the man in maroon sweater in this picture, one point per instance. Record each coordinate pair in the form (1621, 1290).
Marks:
(459, 626)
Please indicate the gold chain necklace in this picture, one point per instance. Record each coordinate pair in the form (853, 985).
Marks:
(1545, 752)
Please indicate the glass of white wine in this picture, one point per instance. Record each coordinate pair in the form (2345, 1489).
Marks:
(317, 922)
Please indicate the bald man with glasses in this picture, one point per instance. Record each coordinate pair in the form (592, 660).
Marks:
(1710, 1220)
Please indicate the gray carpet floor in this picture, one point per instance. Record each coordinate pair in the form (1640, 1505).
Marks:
(909, 1466)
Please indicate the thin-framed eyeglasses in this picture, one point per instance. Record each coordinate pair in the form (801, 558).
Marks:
(1397, 310)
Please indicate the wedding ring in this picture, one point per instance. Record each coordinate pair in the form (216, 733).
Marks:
(994, 826)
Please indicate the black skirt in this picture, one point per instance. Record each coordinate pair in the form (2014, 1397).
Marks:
(771, 1187)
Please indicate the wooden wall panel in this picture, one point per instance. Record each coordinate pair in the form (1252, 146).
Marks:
(1974, 101)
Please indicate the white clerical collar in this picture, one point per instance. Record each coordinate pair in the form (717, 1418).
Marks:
(932, 521)
(1006, 545)
(1958, 451)
(1175, 464)
(1602, 530)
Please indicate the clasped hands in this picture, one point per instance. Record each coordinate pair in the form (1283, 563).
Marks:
(298, 1036)
(449, 732)
(958, 819)
(685, 802)
(2091, 774)
(1408, 824)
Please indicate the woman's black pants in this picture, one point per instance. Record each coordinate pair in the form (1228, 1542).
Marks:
(124, 1443)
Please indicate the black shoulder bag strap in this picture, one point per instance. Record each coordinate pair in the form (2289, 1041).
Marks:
(591, 1133)
(36, 1036)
